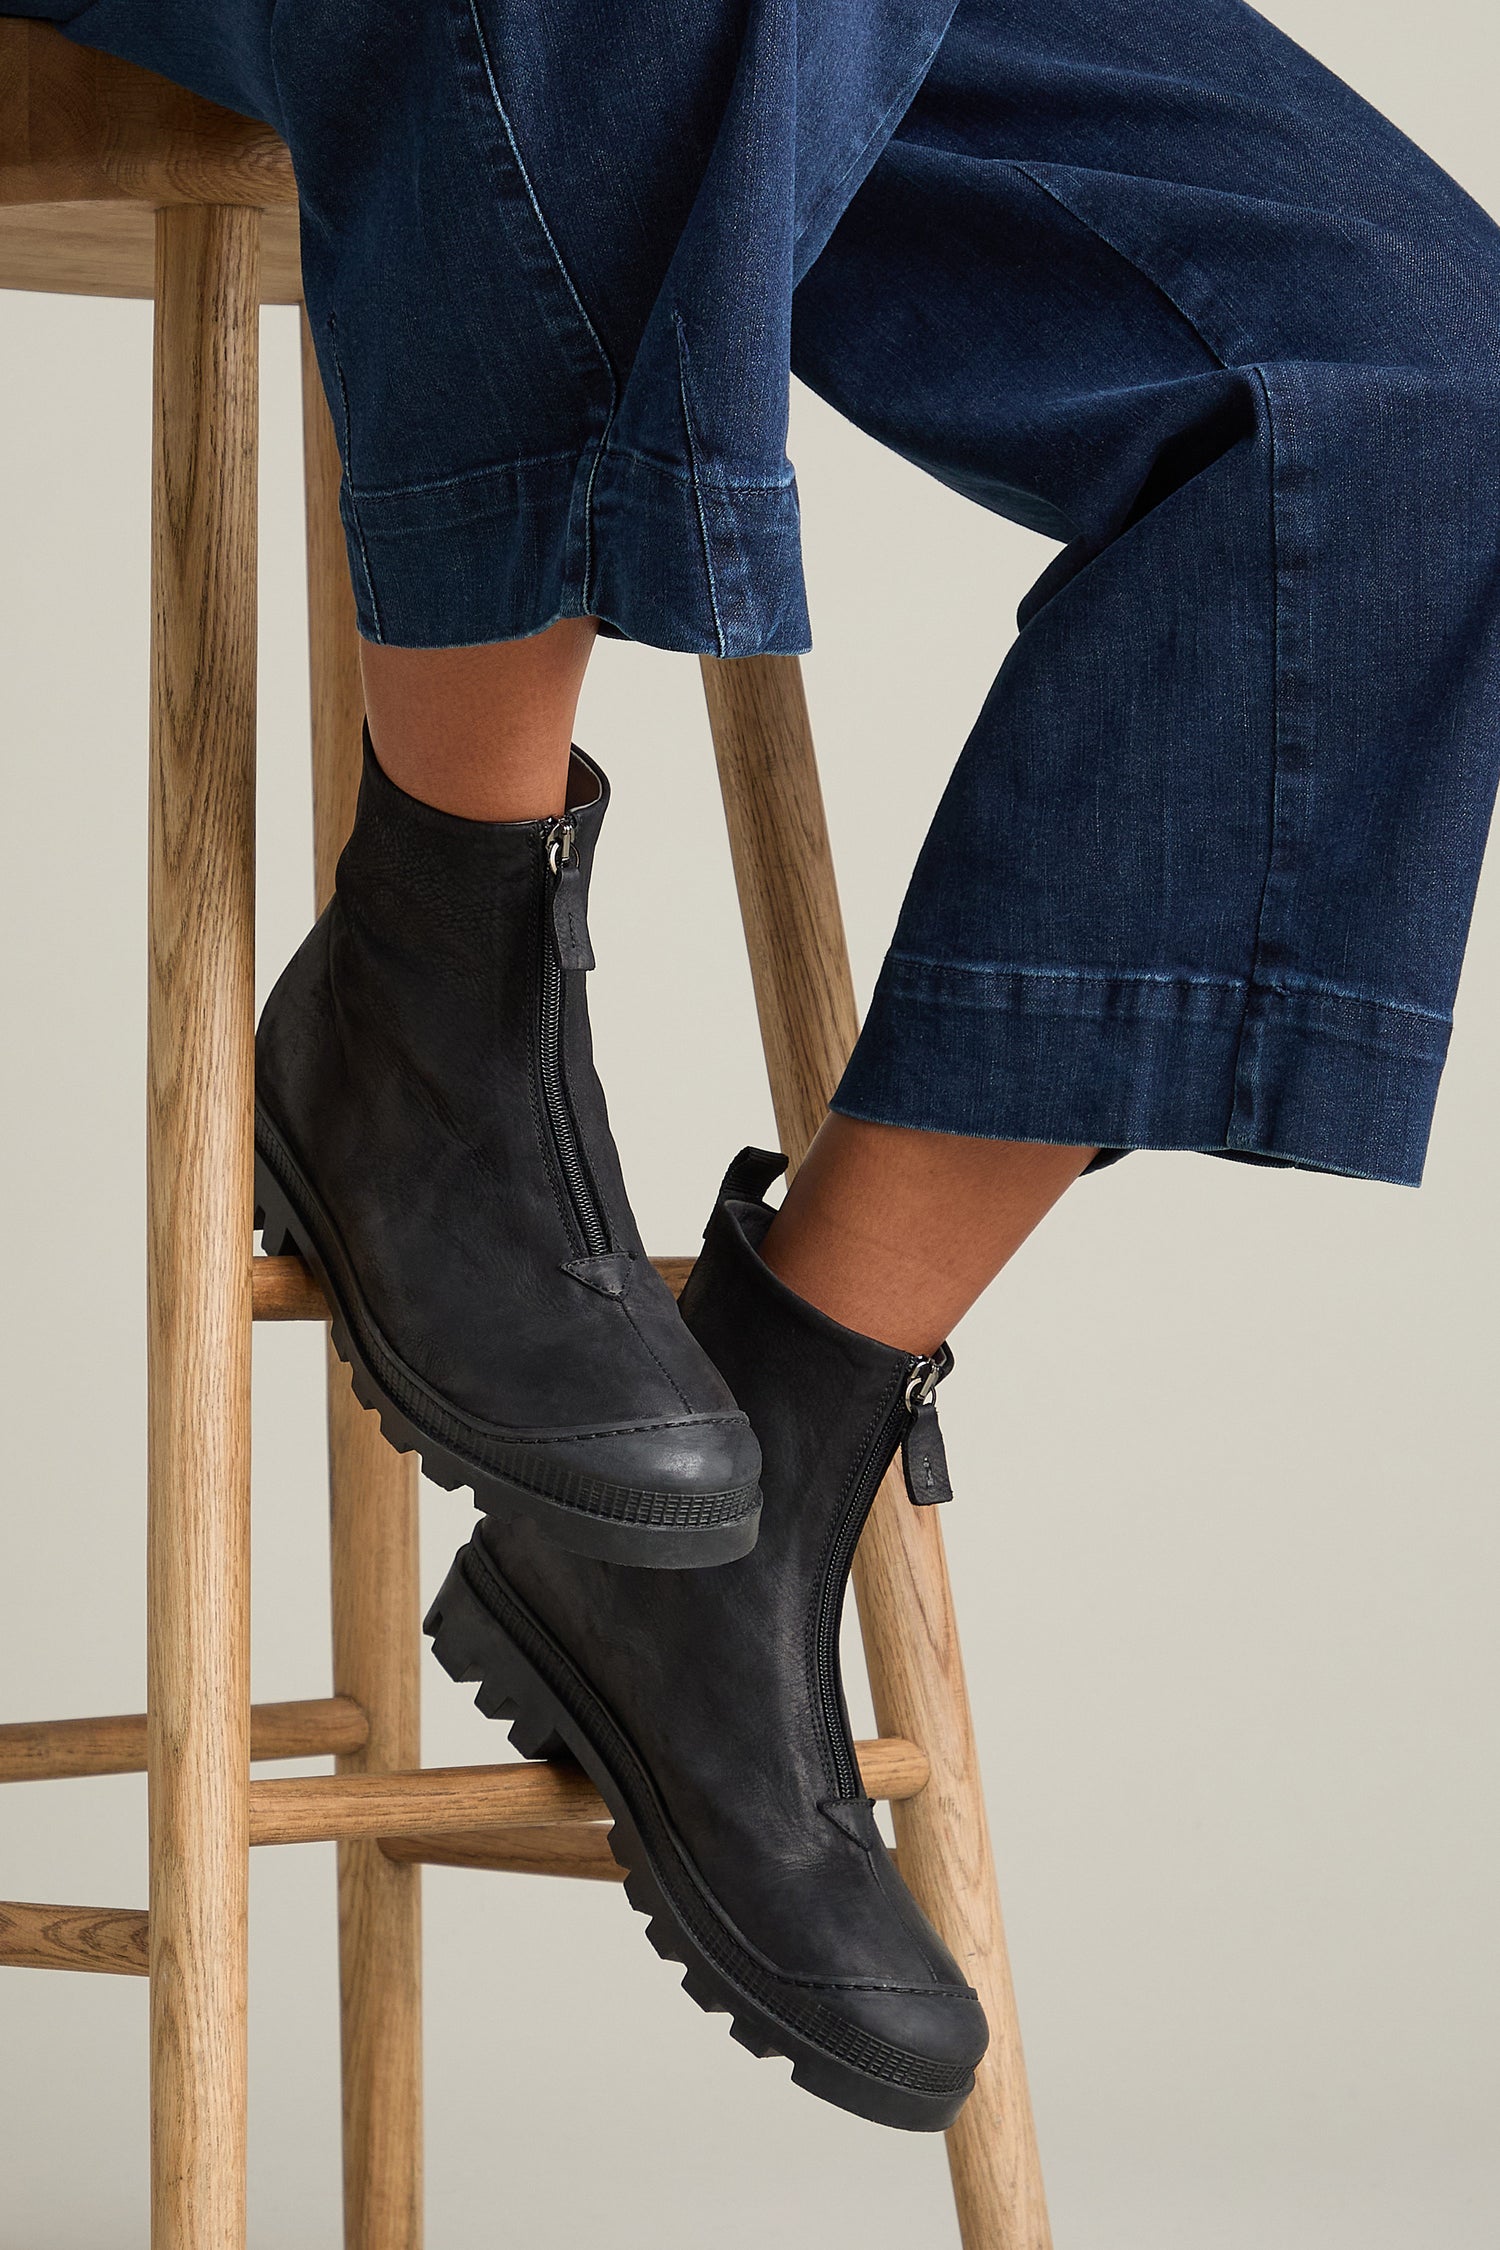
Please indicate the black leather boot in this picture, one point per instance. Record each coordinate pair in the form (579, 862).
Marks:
(709, 1710)
(432, 1138)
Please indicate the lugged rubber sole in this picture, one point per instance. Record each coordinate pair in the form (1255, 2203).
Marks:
(613, 1539)
(473, 1645)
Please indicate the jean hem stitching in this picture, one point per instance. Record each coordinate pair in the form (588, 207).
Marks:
(498, 470)
(1284, 988)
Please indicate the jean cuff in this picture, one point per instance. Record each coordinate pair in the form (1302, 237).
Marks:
(658, 554)
(1325, 1081)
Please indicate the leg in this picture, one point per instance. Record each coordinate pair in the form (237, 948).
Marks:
(880, 1228)
(373, 1495)
(431, 1134)
(896, 1233)
(198, 1193)
(1202, 875)
(482, 732)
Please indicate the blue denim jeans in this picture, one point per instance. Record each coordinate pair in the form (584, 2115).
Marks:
(1137, 273)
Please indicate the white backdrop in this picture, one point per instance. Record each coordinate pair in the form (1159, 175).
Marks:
(1226, 1542)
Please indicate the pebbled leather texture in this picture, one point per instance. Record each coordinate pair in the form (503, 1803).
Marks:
(714, 1676)
(398, 1064)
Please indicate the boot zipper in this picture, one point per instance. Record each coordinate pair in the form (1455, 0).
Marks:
(914, 1398)
(562, 930)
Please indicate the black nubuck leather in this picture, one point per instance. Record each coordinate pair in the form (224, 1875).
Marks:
(431, 1137)
(707, 1706)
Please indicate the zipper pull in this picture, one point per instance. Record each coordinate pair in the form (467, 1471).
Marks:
(922, 1454)
(569, 897)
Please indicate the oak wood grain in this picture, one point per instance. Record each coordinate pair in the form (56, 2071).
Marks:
(805, 997)
(70, 1749)
(108, 1940)
(783, 872)
(199, 1073)
(283, 1289)
(582, 1854)
(109, 250)
(372, 1522)
(78, 125)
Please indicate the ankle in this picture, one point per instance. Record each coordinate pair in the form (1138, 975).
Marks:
(851, 1276)
(482, 733)
(895, 1232)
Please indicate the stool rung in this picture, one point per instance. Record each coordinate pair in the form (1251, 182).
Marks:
(454, 1800)
(283, 1289)
(109, 1940)
(583, 1853)
(579, 1852)
(70, 1749)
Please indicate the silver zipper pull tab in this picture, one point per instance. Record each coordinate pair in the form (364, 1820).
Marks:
(561, 843)
(569, 896)
(923, 1456)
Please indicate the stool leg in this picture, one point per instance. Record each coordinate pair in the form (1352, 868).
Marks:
(943, 1842)
(805, 999)
(199, 1082)
(373, 1496)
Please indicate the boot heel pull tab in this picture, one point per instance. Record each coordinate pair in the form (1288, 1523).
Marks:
(751, 1173)
(924, 1458)
(570, 925)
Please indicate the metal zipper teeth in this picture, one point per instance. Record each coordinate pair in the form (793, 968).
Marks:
(559, 1109)
(831, 1599)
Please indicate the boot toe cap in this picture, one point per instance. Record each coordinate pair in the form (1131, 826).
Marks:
(670, 1494)
(699, 1458)
(900, 2056)
(941, 2031)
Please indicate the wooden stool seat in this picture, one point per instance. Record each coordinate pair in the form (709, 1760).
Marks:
(109, 250)
(91, 148)
(115, 183)
(78, 126)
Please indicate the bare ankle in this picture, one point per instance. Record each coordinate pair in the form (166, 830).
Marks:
(895, 1233)
(481, 732)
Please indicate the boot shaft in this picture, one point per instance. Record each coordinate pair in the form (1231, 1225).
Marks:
(831, 1406)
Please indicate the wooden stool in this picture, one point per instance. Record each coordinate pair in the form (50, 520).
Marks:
(113, 182)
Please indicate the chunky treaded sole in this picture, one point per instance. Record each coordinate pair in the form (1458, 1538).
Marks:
(471, 1644)
(616, 1539)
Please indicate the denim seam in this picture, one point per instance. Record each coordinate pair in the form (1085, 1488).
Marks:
(1128, 258)
(691, 438)
(1067, 976)
(348, 449)
(704, 474)
(858, 167)
(1319, 988)
(469, 476)
(1285, 988)
(1243, 1073)
(499, 469)
(1243, 1080)
(571, 286)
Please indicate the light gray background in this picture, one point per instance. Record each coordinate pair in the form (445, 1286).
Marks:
(1225, 1443)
